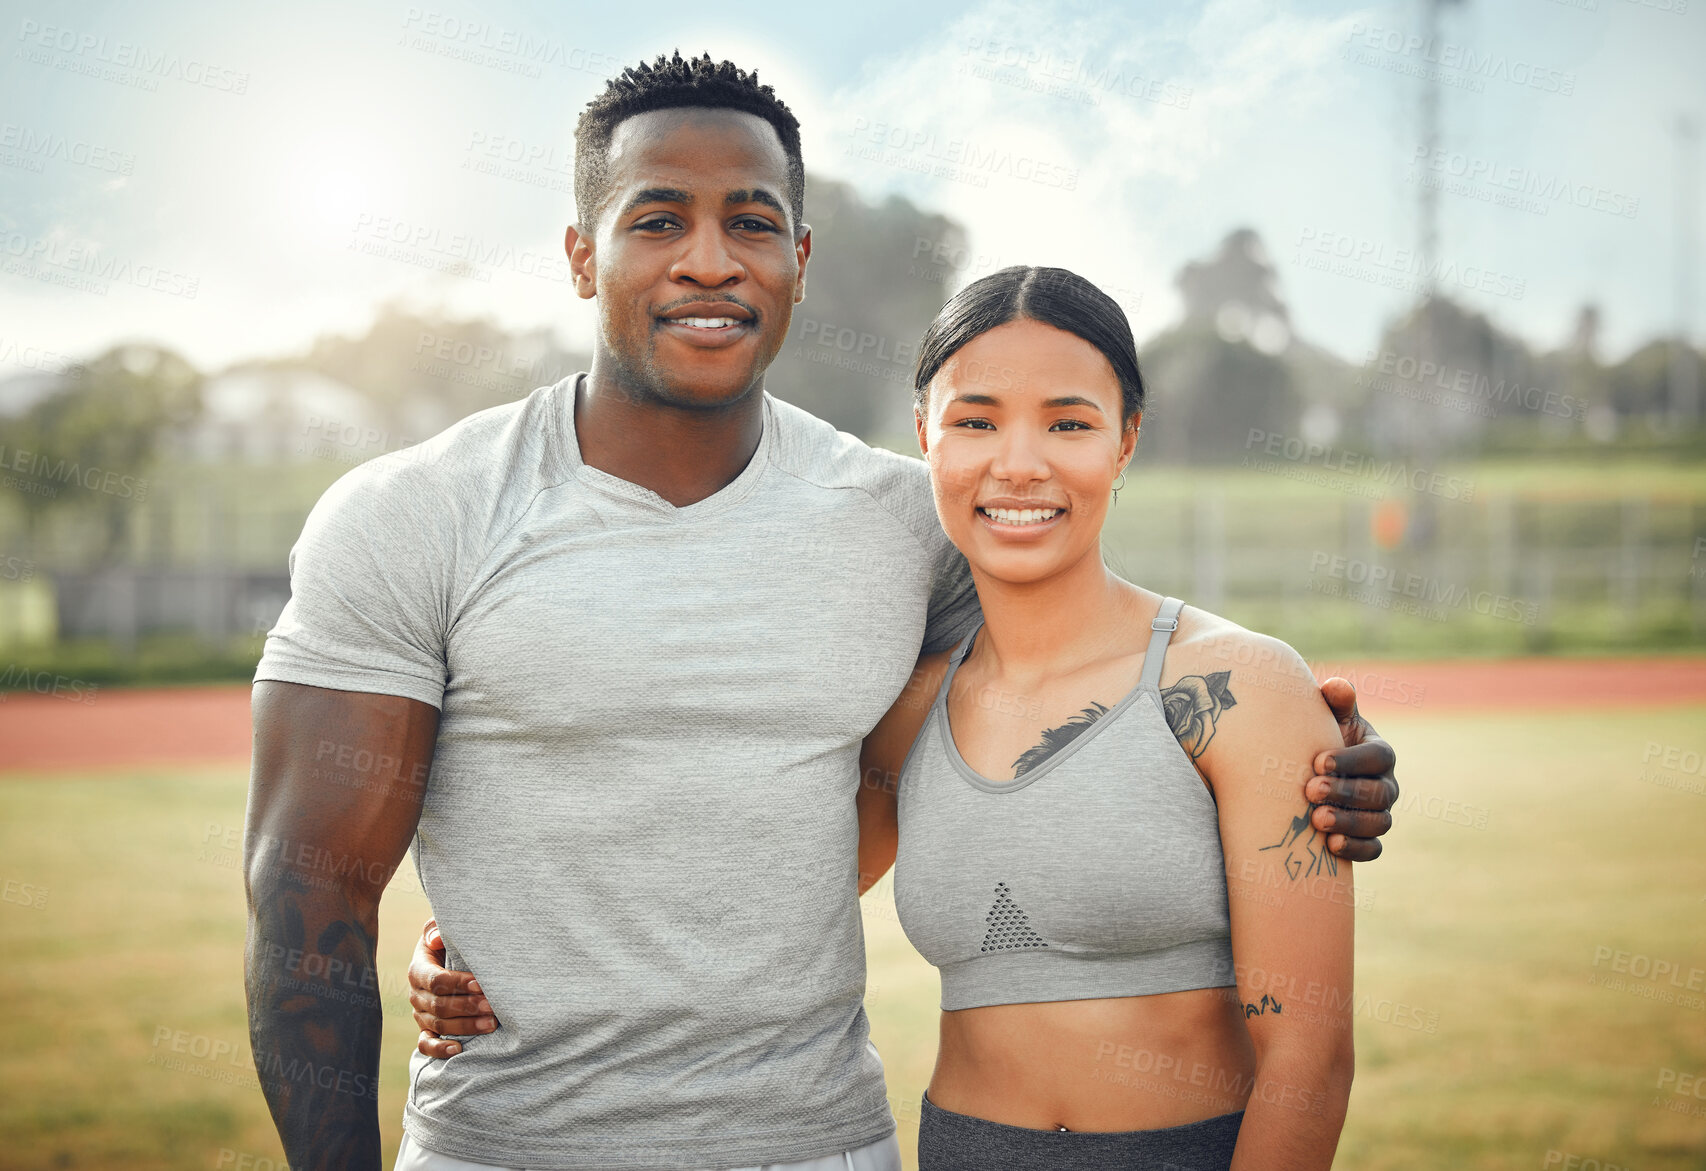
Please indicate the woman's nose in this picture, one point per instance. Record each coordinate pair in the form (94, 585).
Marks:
(1018, 458)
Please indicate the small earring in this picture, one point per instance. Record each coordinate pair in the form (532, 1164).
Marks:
(1118, 486)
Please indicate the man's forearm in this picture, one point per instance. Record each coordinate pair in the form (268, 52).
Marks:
(319, 848)
(315, 1018)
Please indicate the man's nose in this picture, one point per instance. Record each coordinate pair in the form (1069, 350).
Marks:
(705, 260)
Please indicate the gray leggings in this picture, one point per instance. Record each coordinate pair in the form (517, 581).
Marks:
(958, 1142)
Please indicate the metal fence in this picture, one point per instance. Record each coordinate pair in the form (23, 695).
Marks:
(1491, 572)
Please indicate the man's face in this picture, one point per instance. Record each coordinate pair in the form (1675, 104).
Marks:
(694, 257)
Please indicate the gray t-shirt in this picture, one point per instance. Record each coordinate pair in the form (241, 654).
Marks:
(639, 831)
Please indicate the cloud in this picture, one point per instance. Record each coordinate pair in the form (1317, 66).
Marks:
(1083, 139)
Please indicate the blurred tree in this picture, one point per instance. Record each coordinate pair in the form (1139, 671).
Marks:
(424, 372)
(1449, 371)
(1639, 386)
(90, 445)
(1225, 370)
(878, 274)
(1207, 394)
(1235, 291)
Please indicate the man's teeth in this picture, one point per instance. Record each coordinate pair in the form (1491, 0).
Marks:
(1021, 516)
(706, 322)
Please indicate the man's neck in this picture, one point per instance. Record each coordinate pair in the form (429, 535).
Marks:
(684, 455)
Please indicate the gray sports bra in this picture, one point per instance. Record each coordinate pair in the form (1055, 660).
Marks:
(1097, 873)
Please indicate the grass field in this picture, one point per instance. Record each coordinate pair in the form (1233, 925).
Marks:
(1493, 1028)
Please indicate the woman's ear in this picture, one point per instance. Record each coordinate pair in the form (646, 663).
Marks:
(923, 426)
(1128, 439)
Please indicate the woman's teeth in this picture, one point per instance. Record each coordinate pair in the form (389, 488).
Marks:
(706, 322)
(1021, 516)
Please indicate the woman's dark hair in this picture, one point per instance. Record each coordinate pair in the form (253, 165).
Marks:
(1053, 296)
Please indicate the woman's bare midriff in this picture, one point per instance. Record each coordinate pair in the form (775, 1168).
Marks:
(1131, 1063)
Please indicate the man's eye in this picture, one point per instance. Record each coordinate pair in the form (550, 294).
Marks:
(754, 224)
(655, 224)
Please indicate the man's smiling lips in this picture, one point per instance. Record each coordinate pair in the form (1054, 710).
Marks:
(709, 324)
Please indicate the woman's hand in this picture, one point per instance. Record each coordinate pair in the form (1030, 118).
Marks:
(444, 1001)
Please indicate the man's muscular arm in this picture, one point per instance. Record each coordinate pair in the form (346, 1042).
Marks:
(335, 794)
(880, 759)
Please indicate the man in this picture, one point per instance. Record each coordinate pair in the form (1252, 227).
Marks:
(637, 625)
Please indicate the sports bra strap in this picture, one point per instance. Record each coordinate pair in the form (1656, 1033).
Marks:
(1166, 622)
(954, 661)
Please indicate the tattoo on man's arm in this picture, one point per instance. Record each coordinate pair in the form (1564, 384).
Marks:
(1193, 706)
(1268, 1004)
(1055, 739)
(314, 1021)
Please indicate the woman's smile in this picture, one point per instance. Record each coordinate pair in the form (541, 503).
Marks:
(1020, 522)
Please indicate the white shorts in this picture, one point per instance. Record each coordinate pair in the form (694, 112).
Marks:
(882, 1155)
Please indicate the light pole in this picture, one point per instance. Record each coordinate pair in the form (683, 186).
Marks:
(1684, 366)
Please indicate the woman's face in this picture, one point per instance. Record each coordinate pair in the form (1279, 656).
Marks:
(1023, 436)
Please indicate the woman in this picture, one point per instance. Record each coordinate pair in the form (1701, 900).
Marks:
(1117, 991)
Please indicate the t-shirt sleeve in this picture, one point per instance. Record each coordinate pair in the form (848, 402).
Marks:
(369, 600)
(954, 609)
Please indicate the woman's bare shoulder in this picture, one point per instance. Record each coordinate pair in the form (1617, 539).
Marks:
(1232, 665)
(1214, 666)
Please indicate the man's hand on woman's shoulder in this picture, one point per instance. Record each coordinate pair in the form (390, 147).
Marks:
(1353, 790)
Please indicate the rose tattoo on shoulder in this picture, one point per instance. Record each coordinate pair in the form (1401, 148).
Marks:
(1192, 706)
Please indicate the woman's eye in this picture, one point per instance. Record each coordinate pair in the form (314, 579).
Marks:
(1072, 424)
(976, 424)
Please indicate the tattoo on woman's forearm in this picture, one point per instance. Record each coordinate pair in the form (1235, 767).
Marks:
(1268, 1004)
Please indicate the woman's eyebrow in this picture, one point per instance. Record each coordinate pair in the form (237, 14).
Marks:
(1073, 400)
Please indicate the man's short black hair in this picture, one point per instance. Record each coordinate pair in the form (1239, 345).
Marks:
(674, 83)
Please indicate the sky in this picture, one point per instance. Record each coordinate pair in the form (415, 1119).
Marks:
(232, 181)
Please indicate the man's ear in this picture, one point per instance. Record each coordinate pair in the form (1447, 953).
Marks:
(582, 265)
(802, 253)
